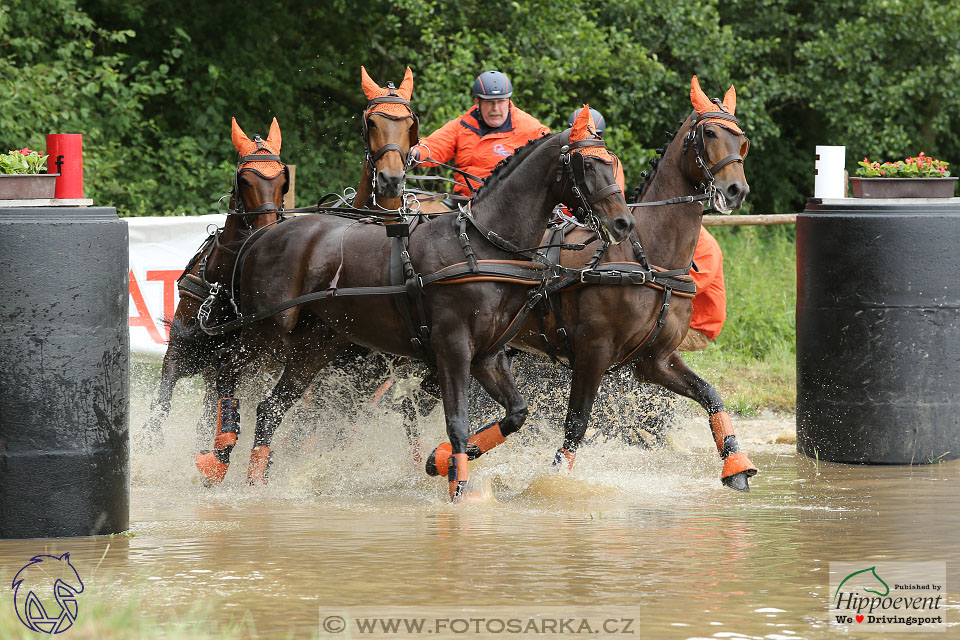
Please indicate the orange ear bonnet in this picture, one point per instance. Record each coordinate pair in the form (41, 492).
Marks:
(583, 129)
(390, 109)
(247, 147)
(702, 104)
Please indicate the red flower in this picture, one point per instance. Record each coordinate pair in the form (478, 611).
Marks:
(26, 151)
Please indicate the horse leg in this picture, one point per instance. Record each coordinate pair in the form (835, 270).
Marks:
(496, 378)
(302, 367)
(415, 404)
(209, 406)
(674, 374)
(160, 406)
(453, 373)
(213, 464)
(587, 374)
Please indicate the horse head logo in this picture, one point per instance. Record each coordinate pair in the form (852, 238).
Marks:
(34, 580)
(863, 580)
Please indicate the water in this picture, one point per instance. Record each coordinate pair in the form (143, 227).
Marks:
(350, 522)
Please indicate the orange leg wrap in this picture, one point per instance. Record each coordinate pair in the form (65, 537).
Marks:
(736, 463)
(722, 427)
(564, 454)
(457, 475)
(228, 423)
(211, 468)
(487, 438)
(477, 445)
(259, 461)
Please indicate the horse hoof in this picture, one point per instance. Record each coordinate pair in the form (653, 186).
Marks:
(212, 469)
(737, 482)
(439, 459)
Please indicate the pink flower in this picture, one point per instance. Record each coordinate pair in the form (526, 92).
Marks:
(26, 151)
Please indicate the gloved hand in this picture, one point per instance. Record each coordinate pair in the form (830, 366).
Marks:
(414, 159)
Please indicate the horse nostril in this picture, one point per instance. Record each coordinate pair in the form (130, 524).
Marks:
(733, 190)
(623, 225)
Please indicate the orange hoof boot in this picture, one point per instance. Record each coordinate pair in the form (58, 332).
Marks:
(259, 467)
(212, 469)
(564, 459)
(439, 460)
(737, 469)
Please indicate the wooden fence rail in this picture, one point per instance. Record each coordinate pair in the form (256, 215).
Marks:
(759, 219)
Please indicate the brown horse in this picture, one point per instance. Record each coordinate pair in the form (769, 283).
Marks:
(256, 201)
(468, 306)
(642, 324)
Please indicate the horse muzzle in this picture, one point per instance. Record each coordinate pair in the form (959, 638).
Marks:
(617, 229)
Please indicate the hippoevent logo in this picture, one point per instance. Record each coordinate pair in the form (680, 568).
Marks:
(45, 594)
(888, 596)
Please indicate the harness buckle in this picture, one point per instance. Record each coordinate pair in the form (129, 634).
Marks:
(583, 273)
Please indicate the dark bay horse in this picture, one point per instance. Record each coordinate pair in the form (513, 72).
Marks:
(465, 315)
(256, 201)
(641, 325)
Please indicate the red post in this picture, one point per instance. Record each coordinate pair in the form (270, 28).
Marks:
(66, 158)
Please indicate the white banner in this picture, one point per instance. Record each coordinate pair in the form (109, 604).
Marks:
(159, 250)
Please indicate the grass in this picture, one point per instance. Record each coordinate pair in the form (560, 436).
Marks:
(753, 361)
(101, 617)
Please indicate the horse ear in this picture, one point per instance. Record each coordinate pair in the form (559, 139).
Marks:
(730, 100)
(240, 139)
(583, 125)
(406, 87)
(274, 139)
(370, 88)
(698, 98)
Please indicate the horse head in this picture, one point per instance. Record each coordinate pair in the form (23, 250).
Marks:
(261, 179)
(389, 124)
(591, 189)
(714, 148)
(58, 573)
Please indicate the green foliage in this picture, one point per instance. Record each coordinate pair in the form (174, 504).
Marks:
(152, 85)
(22, 161)
(759, 268)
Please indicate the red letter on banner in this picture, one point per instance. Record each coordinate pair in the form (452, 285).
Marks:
(143, 318)
(169, 280)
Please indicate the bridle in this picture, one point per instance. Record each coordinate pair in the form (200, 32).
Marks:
(694, 140)
(373, 156)
(572, 169)
(266, 207)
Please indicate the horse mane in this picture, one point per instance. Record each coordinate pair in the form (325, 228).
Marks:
(655, 163)
(506, 166)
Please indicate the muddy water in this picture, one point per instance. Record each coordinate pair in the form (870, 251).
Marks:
(350, 522)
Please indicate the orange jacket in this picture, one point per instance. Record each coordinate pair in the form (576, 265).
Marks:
(710, 303)
(461, 140)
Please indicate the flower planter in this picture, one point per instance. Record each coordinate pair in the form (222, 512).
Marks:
(27, 186)
(903, 187)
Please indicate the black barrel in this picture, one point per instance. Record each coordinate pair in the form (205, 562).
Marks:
(64, 372)
(878, 330)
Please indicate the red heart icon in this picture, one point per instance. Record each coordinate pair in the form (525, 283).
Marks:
(859, 618)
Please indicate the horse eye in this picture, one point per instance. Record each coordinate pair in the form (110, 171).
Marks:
(371, 124)
(710, 133)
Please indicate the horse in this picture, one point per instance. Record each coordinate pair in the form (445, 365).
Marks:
(260, 181)
(312, 283)
(614, 322)
(388, 125)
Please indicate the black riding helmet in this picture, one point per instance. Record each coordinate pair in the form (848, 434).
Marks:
(597, 119)
(492, 85)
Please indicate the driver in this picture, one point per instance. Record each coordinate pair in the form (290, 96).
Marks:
(479, 139)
